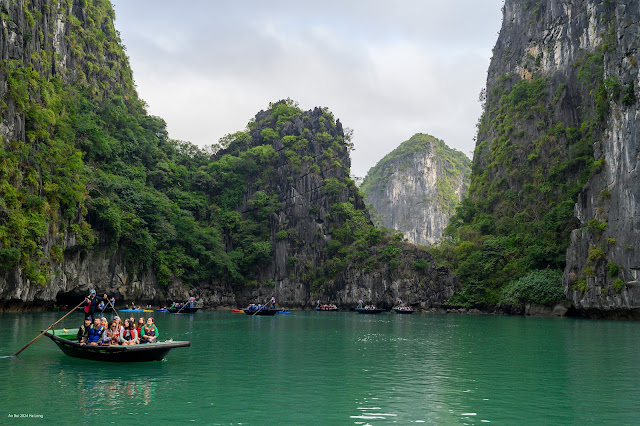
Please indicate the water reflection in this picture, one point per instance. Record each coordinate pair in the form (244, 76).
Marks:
(340, 369)
(96, 393)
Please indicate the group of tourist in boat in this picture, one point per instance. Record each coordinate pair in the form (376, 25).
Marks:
(100, 332)
(189, 304)
(260, 307)
(361, 305)
(369, 307)
(326, 306)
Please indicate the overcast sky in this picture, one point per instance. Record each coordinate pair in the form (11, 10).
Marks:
(386, 69)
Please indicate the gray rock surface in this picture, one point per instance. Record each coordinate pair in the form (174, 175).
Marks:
(416, 187)
(553, 39)
(304, 211)
(306, 215)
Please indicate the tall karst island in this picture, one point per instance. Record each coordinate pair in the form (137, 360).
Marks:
(554, 184)
(416, 188)
(95, 194)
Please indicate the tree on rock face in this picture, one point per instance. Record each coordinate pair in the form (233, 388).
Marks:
(85, 170)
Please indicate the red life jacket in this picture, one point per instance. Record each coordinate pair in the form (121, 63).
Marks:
(128, 334)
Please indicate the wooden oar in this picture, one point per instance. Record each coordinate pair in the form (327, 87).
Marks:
(260, 308)
(47, 329)
(182, 307)
(114, 309)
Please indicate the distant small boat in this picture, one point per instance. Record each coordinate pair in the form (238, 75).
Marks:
(327, 308)
(182, 310)
(283, 313)
(66, 341)
(237, 311)
(262, 312)
(132, 310)
(162, 310)
(370, 310)
(403, 310)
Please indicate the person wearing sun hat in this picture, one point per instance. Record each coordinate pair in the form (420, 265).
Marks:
(118, 322)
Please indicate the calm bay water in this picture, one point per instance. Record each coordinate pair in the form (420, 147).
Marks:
(336, 368)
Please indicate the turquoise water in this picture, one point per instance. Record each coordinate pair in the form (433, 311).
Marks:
(336, 368)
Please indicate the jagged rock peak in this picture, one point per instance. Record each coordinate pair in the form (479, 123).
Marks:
(416, 187)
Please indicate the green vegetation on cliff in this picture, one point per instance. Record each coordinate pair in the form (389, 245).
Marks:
(84, 167)
(456, 164)
(529, 166)
(96, 169)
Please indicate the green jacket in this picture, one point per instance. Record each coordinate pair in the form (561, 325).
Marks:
(154, 328)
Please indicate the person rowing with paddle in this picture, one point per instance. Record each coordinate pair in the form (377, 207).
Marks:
(91, 303)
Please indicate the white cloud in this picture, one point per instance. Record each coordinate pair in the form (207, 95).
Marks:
(386, 69)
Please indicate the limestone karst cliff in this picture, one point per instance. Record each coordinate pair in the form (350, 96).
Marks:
(324, 244)
(94, 193)
(416, 187)
(555, 171)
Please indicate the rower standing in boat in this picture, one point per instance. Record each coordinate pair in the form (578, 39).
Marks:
(91, 303)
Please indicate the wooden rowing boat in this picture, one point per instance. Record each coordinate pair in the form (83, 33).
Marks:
(67, 342)
(262, 312)
(327, 308)
(182, 311)
(370, 311)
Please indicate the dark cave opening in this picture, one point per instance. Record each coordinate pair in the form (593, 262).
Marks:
(70, 299)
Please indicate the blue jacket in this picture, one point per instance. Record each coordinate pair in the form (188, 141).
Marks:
(95, 333)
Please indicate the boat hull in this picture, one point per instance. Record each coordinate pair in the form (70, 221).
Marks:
(262, 312)
(134, 353)
(370, 311)
(183, 310)
(403, 311)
